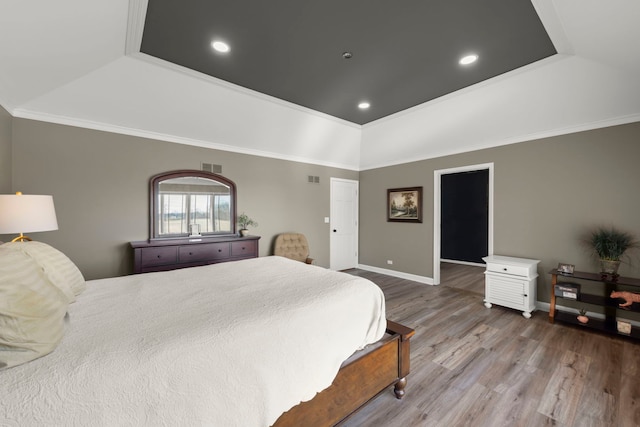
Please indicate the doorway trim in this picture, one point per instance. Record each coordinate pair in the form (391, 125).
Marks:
(437, 187)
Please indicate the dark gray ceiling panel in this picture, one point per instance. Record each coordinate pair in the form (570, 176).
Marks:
(405, 52)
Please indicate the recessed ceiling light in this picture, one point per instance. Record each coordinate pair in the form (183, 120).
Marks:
(469, 59)
(220, 46)
(364, 105)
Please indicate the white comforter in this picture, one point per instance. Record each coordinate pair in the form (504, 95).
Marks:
(233, 344)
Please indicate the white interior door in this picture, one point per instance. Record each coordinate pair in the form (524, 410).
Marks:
(343, 224)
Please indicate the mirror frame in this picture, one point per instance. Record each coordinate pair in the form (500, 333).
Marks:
(183, 173)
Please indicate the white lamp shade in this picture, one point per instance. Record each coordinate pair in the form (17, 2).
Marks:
(26, 213)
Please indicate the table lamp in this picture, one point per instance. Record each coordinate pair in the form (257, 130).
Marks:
(21, 213)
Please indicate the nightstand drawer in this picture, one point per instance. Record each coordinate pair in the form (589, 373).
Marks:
(158, 256)
(245, 248)
(508, 269)
(205, 252)
(521, 267)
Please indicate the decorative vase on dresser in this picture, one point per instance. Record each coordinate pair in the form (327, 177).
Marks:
(511, 282)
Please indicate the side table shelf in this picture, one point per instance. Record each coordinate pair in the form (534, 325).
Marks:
(604, 325)
(612, 310)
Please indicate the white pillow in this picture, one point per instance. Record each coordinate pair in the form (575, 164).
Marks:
(57, 267)
(32, 310)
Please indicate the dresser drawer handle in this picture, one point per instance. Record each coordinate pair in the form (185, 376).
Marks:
(159, 256)
(243, 248)
(190, 253)
(219, 250)
(504, 269)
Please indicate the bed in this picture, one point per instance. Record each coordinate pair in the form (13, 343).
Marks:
(239, 343)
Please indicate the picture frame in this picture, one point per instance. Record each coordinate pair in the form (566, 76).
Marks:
(565, 268)
(404, 204)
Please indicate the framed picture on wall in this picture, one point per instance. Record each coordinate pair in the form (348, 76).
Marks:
(404, 204)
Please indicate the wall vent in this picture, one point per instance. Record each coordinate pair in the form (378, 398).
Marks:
(313, 179)
(210, 167)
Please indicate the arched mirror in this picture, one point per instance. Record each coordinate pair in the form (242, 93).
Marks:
(192, 203)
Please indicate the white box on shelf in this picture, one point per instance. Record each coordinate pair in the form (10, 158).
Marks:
(624, 327)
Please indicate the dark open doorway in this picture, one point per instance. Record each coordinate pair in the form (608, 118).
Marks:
(465, 216)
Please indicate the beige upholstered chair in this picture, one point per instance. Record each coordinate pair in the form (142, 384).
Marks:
(293, 246)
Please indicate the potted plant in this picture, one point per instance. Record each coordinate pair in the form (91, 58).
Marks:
(244, 222)
(582, 317)
(610, 245)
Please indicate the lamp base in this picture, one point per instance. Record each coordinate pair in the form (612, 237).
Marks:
(21, 238)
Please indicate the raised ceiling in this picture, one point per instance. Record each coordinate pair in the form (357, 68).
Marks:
(404, 53)
(78, 63)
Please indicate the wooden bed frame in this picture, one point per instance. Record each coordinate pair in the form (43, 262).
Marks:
(361, 378)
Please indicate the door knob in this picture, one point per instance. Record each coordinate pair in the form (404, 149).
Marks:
(334, 230)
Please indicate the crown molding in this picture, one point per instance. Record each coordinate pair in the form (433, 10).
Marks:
(141, 133)
(239, 89)
(616, 121)
(71, 121)
(552, 23)
(135, 25)
(468, 89)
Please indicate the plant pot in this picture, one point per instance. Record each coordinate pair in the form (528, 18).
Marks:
(244, 232)
(583, 319)
(609, 267)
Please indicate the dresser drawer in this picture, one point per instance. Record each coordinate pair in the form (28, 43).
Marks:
(247, 248)
(204, 252)
(169, 254)
(150, 257)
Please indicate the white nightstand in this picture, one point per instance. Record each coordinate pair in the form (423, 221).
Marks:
(511, 282)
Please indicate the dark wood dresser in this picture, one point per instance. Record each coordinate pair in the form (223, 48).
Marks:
(170, 254)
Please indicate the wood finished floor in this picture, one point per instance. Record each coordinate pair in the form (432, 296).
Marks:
(473, 366)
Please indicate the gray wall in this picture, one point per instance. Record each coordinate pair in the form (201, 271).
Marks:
(548, 193)
(5, 151)
(99, 182)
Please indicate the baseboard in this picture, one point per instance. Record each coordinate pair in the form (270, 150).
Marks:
(399, 274)
(454, 261)
(542, 306)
